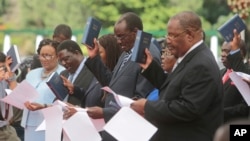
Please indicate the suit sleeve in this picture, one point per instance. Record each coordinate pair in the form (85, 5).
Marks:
(191, 98)
(110, 108)
(143, 85)
(236, 111)
(236, 62)
(100, 71)
(155, 74)
(78, 92)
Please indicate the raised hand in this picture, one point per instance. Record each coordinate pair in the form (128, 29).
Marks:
(235, 43)
(149, 59)
(93, 51)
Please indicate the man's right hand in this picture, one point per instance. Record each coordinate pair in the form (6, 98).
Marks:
(95, 112)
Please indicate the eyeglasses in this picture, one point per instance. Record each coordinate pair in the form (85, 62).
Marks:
(166, 52)
(122, 36)
(173, 36)
(46, 56)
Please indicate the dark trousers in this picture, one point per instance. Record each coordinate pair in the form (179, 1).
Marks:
(19, 130)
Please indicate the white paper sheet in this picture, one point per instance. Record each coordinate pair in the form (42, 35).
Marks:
(120, 100)
(22, 93)
(241, 85)
(80, 128)
(59, 103)
(42, 126)
(126, 123)
(53, 119)
(243, 75)
(98, 123)
(8, 91)
(65, 137)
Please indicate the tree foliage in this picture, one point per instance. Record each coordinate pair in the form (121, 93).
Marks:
(211, 10)
(46, 14)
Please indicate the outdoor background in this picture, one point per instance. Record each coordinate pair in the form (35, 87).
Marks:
(23, 20)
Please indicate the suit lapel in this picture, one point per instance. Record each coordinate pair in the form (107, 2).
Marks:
(116, 69)
(91, 86)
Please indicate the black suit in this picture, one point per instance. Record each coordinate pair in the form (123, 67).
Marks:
(93, 96)
(234, 105)
(83, 80)
(190, 107)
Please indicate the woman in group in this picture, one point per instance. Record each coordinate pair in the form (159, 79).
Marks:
(109, 52)
(167, 63)
(32, 116)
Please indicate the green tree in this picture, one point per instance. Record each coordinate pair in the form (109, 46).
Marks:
(211, 10)
(40, 17)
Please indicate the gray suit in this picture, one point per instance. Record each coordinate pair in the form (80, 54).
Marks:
(128, 82)
(90, 97)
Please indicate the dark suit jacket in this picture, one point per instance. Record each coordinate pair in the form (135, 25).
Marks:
(234, 105)
(93, 96)
(83, 80)
(128, 82)
(190, 107)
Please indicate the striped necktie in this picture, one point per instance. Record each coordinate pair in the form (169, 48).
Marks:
(125, 59)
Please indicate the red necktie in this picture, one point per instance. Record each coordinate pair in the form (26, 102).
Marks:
(226, 76)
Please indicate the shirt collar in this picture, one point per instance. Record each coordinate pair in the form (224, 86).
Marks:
(78, 70)
(192, 48)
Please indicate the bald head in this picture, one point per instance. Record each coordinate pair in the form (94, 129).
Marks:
(188, 20)
(184, 30)
(132, 20)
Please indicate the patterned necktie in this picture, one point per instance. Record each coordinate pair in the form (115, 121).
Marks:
(125, 59)
(226, 76)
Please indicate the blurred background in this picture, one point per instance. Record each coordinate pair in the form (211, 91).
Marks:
(24, 22)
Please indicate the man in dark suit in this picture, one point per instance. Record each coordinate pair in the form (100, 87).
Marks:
(190, 106)
(234, 105)
(125, 78)
(71, 57)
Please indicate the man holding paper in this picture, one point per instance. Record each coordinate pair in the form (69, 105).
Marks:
(191, 95)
